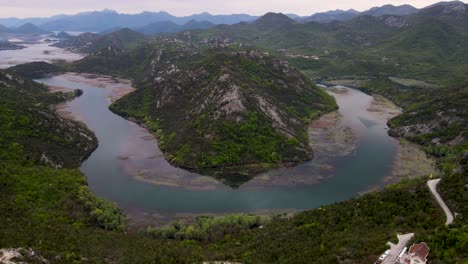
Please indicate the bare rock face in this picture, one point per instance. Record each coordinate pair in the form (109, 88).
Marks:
(413, 130)
(398, 22)
(20, 255)
(456, 7)
(221, 108)
(441, 120)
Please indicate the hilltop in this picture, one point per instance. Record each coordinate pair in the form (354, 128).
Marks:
(171, 27)
(277, 21)
(345, 15)
(401, 10)
(31, 29)
(28, 28)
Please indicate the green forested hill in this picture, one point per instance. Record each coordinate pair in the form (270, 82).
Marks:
(225, 111)
(27, 120)
(218, 109)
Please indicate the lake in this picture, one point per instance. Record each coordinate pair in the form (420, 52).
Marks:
(36, 50)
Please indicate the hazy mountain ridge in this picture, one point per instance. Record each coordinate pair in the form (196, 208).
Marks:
(89, 42)
(27, 29)
(6, 45)
(102, 20)
(163, 27)
(329, 16)
(342, 15)
(402, 10)
(109, 20)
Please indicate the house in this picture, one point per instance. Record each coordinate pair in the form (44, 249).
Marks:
(417, 254)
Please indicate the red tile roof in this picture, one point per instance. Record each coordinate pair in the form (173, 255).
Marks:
(420, 250)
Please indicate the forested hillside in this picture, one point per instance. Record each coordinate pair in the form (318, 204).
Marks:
(212, 104)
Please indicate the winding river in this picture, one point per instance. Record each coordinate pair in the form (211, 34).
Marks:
(129, 169)
(353, 154)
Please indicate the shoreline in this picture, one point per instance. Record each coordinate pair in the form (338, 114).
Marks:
(408, 153)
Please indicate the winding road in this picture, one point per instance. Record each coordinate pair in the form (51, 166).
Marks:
(403, 239)
(433, 187)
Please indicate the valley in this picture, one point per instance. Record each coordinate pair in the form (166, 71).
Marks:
(281, 139)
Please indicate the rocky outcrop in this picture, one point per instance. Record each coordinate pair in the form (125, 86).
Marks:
(398, 22)
(20, 255)
(442, 120)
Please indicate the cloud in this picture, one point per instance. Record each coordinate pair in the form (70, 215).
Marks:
(28, 8)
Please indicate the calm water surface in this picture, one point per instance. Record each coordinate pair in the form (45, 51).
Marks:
(126, 150)
(37, 51)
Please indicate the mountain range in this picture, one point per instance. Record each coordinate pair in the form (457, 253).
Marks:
(104, 20)
(28, 28)
(163, 22)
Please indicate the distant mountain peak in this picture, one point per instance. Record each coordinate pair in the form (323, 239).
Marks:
(163, 13)
(446, 9)
(27, 25)
(340, 11)
(29, 28)
(109, 11)
(274, 20)
(446, 3)
(332, 15)
(401, 10)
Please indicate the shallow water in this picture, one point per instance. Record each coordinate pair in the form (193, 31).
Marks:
(130, 170)
(37, 51)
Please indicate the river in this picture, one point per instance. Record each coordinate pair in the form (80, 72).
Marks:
(353, 154)
(129, 169)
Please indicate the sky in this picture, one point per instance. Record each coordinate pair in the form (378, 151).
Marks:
(44, 8)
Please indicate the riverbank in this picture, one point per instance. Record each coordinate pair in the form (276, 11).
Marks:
(410, 160)
(117, 87)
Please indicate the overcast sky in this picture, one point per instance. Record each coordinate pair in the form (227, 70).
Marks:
(41, 8)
